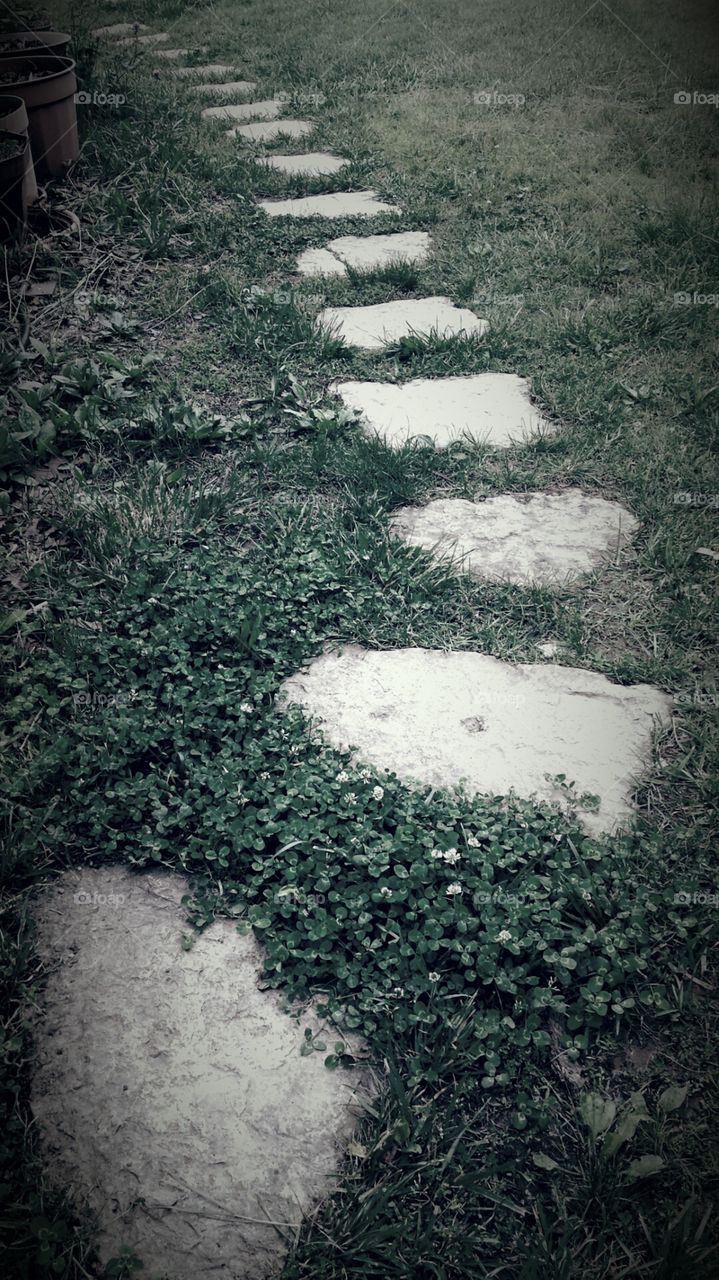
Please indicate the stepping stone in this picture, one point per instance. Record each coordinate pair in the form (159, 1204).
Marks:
(364, 253)
(119, 29)
(170, 1091)
(265, 110)
(533, 537)
(436, 718)
(375, 327)
(226, 89)
(486, 407)
(153, 38)
(313, 162)
(211, 69)
(338, 204)
(261, 132)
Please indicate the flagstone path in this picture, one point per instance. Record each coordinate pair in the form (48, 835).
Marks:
(375, 327)
(313, 163)
(337, 204)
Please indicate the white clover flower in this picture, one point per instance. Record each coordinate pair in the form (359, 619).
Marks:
(473, 842)
(365, 775)
(342, 776)
(453, 890)
(451, 856)
(378, 792)
(264, 775)
(434, 976)
(586, 894)
(246, 708)
(436, 853)
(385, 892)
(504, 936)
(351, 798)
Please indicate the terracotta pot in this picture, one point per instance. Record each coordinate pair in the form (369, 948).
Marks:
(13, 153)
(47, 86)
(13, 44)
(13, 119)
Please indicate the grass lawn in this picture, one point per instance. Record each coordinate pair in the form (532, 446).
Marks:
(189, 517)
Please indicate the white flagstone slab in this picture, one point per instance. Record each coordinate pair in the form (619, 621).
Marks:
(533, 537)
(366, 253)
(438, 718)
(494, 408)
(268, 109)
(336, 204)
(225, 89)
(171, 54)
(375, 327)
(267, 132)
(170, 1091)
(314, 163)
(207, 71)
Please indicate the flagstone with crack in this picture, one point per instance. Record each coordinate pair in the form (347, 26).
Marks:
(156, 37)
(267, 109)
(547, 538)
(375, 327)
(335, 204)
(169, 1090)
(262, 131)
(437, 718)
(316, 163)
(171, 54)
(491, 408)
(364, 253)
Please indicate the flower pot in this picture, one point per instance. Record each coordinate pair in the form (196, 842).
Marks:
(47, 86)
(13, 44)
(13, 119)
(13, 153)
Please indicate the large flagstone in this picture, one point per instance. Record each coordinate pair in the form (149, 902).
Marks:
(365, 253)
(375, 327)
(169, 1090)
(336, 204)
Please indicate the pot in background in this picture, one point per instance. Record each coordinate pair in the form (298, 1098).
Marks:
(13, 44)
(47, 86)
(13, 119)
(13, 154)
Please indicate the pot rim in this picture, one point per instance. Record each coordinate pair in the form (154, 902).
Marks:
(55, 58)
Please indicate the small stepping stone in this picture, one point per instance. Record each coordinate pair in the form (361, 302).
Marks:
(533, 537)
(364, 253)
(226, 89)
(437, 718)
(338, 204)
(267, 132)
(119, 29)
(211, 69)
(265, 110)
(486, 407)
(170, 1090)
(375, 327)
(153, 38)
(313, 162)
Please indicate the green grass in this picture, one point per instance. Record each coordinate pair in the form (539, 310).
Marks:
(184, 531)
